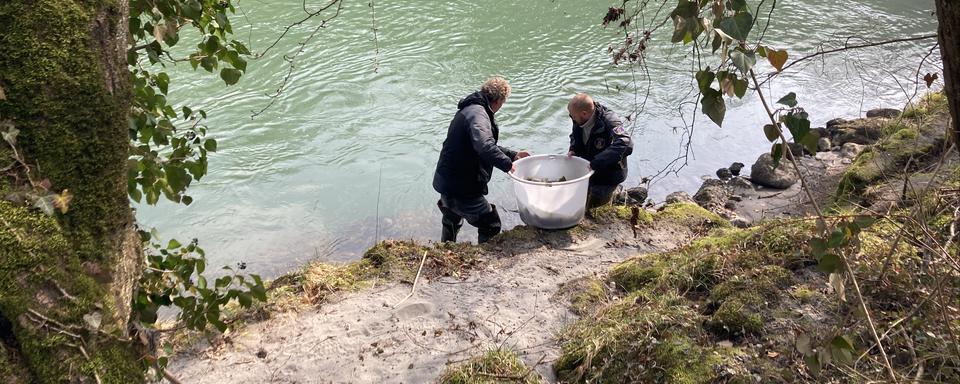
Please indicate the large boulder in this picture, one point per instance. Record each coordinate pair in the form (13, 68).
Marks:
(851, 150)
(887, 113)
(740, 183)
(637, 195)
(712, 194)
(679, 197)
(763, 173)
(859, 131)
(824, 145)
(724, 174)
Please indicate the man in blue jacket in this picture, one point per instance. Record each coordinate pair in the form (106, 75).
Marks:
(598, 137)
(467, 159)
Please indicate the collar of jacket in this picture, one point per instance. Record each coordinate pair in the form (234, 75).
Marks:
(479, 99)
(600, 124)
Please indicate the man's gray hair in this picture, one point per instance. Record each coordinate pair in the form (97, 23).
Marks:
(581, 102)
(496, 89)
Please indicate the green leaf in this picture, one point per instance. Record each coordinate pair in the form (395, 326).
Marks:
(148, 315)
(740, 87)
(813, 364)
(830, 263)
(192, 10)
(737, 26)
(210, 145)
(186, 200)
(713, 106)
(811, 141)
(743, 60)
(837, 238)
(803, 345)
(259, 292)
(704, 79)
(789, 100)
(777, 153)
(686, 22)
(739, 5)
(864, 221)
(173, 244)
(818, 247)
(163, 82)
(771, 131)
(245, 299)
(230, 76)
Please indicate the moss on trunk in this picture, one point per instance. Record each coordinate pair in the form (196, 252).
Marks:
(66, 89)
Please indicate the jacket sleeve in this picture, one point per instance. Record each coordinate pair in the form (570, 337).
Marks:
(620, 144)
(573, 131)
(509, 152)
(481, 137)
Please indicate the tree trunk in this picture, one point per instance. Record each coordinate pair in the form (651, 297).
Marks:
(948, 17)
(66, 281)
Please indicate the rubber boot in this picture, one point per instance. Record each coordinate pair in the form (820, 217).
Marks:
(488, 225)
(451, 223)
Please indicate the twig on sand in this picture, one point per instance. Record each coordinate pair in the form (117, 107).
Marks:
(415, 279)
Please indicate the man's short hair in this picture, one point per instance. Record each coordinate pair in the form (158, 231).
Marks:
(581, 102)
(496, 89)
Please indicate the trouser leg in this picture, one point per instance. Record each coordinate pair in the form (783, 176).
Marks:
(488, 225)
(477, 211)
(598, 195)
(451, 223)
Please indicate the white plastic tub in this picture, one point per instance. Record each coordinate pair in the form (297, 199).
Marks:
(553, 205)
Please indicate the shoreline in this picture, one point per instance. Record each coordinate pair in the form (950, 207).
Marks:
(557, 299)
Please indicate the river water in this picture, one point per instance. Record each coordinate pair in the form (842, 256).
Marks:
(346, 153)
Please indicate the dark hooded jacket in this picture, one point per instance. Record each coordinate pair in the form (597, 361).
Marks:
(470, 151)
(606, 149)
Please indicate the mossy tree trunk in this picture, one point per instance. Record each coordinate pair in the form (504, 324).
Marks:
(948, 16)
(66, 281)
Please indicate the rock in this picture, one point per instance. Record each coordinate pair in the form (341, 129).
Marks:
(763, 173)
(740, 183)
(851, 150)
(731, 205)
(724, 174)
(712, 194)
(821, 131)
(736, 198)
(797, 149)
(824, 144)
(859, 131)
(887, 113)
(679, 197)
(637, 194)
(735, 168)
(835, 122)
(740, 222)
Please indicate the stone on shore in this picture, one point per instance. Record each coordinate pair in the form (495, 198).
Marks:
(824, 144)
(679, 197)
(735, 168)
(712, 194)
(887, 113)
(724, 174)
(637, 195)
(763, 173)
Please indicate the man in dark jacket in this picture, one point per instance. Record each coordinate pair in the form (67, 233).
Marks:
(598, 137)
(466, 162)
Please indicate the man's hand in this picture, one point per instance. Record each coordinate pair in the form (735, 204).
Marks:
(521, 155)
(513, 168)
(571, 154)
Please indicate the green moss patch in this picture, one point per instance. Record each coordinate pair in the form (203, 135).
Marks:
(494, 366)
(688, 215)
(585, 294)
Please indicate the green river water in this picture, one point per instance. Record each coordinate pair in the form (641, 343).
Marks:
(347, 152)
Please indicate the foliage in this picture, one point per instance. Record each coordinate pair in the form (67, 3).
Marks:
(169, 146)
(174, 277)
(724, 27)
